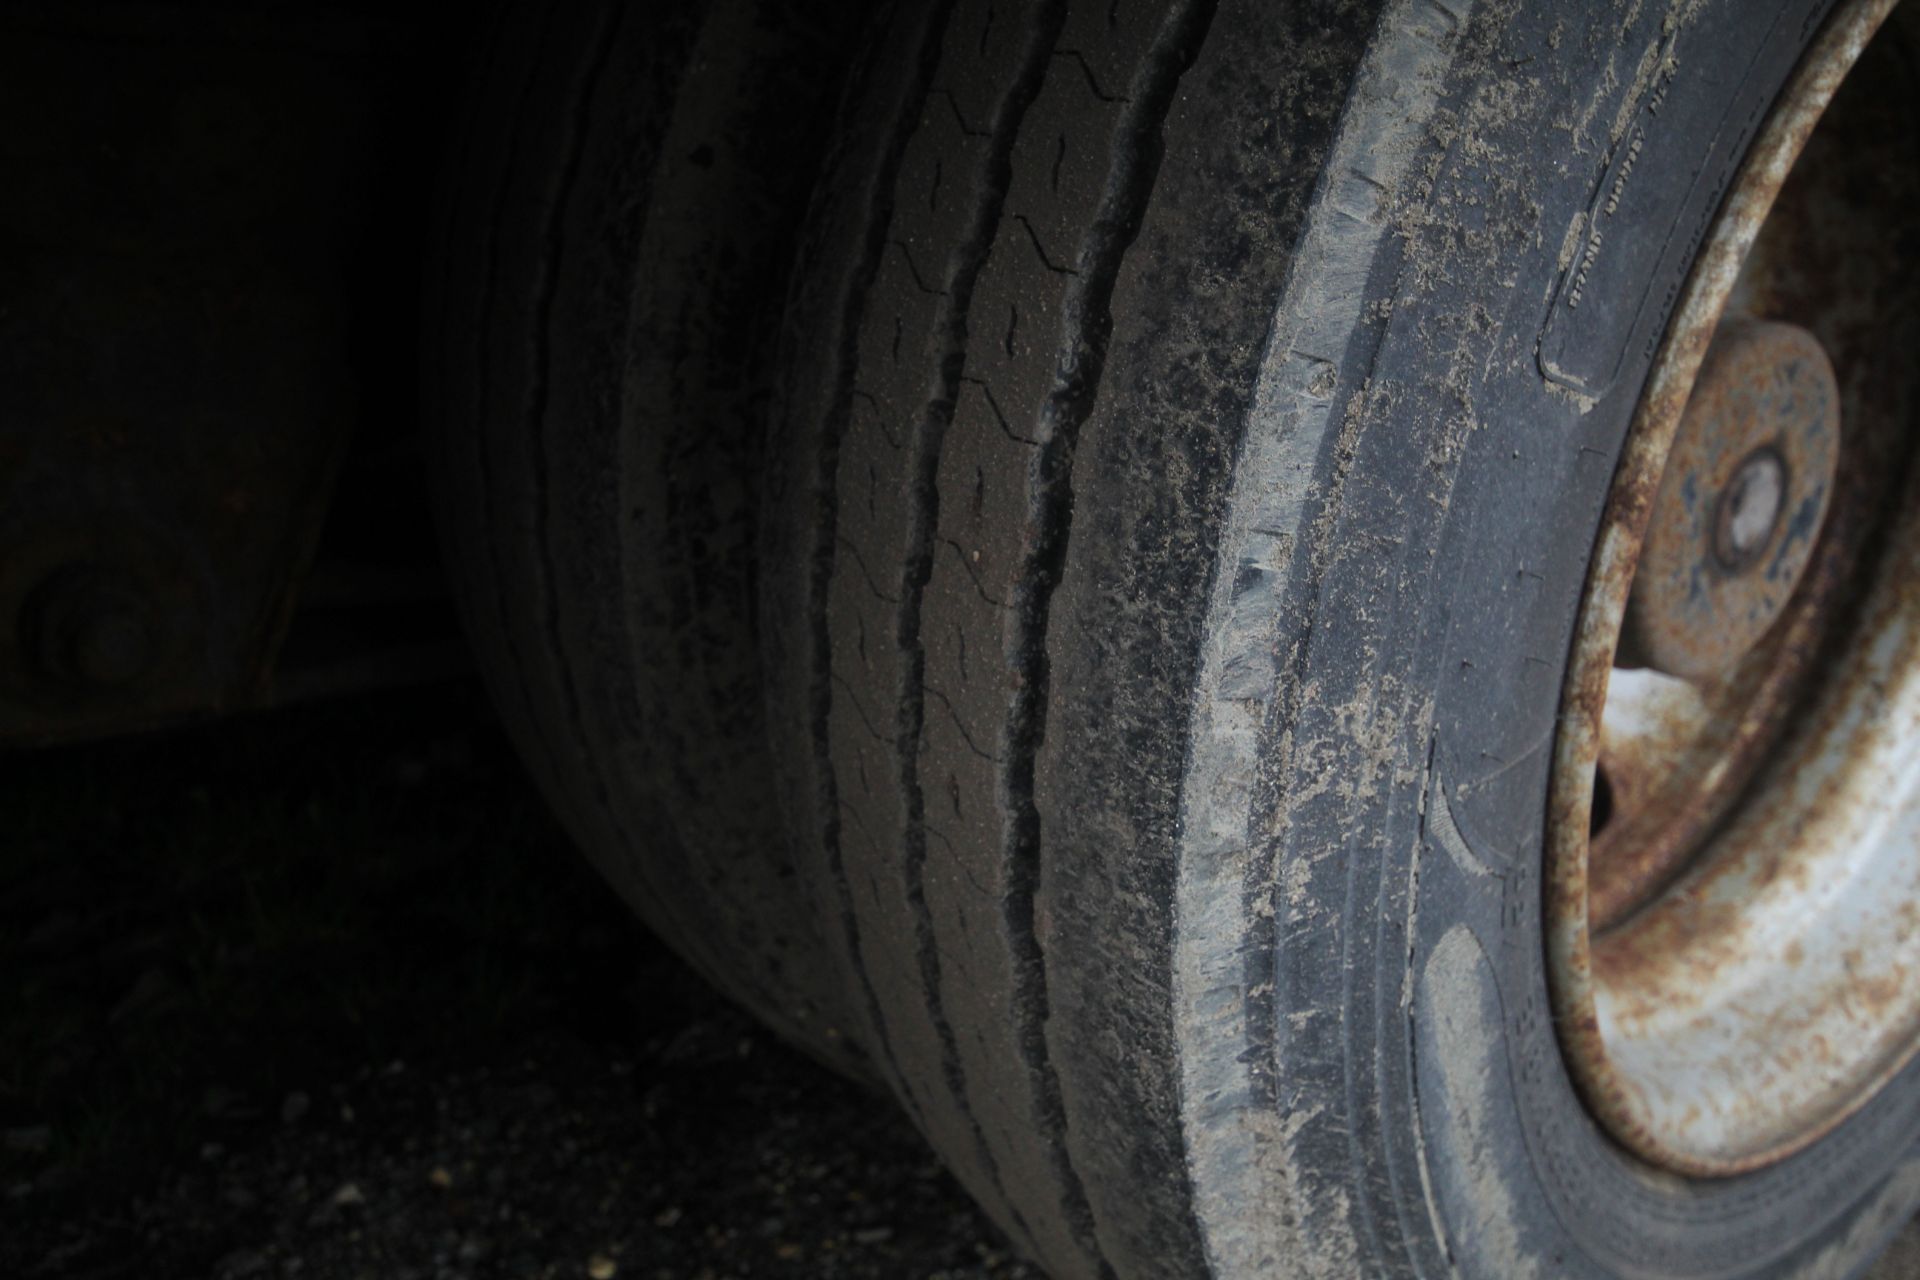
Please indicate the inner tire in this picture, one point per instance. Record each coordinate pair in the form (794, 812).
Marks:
(619, 217)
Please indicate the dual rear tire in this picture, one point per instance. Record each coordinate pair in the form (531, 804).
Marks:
(1040, 548)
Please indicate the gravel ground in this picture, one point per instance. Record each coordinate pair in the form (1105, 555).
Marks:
(556, 1161)
(325, 994)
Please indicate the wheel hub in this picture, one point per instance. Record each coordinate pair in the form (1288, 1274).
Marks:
(1733, 900)
(1741, 502)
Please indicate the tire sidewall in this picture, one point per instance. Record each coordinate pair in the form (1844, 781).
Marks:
(1397, 813)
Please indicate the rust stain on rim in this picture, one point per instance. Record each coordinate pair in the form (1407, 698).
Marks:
(1670, 785)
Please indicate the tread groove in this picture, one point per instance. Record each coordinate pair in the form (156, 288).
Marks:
(1087, 323)
(488, 471)
(949, 337)
(827, 537)
(536, 421)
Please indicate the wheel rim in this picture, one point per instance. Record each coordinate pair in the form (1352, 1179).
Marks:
(1733, 849)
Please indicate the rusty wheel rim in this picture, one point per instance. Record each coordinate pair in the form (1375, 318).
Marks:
(1733, 850)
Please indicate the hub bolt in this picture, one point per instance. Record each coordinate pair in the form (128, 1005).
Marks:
(1749, 510)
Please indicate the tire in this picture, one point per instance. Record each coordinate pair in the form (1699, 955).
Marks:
(1101, 683)
(619, 217)
(1188, 458)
